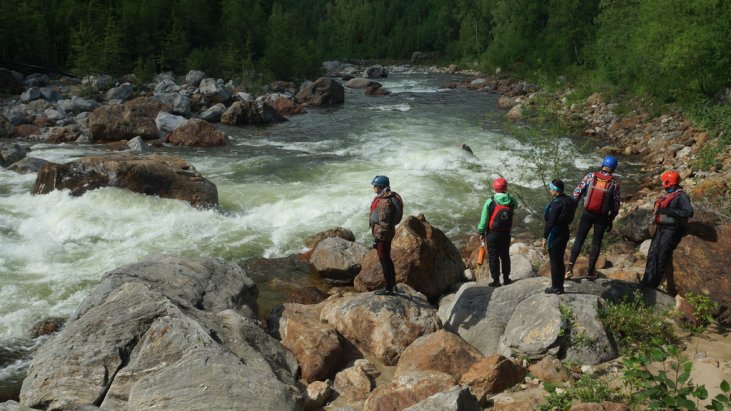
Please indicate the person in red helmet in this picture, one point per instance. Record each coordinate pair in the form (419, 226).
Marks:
(387, 209)
(671, 213)
(496, 222)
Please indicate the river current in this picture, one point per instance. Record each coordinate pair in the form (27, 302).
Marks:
(277, 185)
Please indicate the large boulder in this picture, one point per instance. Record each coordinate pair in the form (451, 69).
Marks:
(27, 165)
(167, 122)
(633, 226)
(120, 93)
(214, 91)
(700, 265)
(213, 114)
(125, 121)
(337, 260)
(423, 256)
(480, 314)
(382, 325)
(197, 133)
(376, 71)
(163, 176)
(194, 77)
(341, 232)
(407, 390)
(322, 92)
(243, 113)
(440, 351)
(169, 333)
(283, 104)
(12, 153)
(179, 103)
(316, 345)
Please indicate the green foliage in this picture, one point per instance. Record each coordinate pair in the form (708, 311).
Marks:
(670, 387)
(721, 401)
(635, 325)
(588, 388)
(703, 310)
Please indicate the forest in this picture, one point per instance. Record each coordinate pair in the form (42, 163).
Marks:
(673, 50)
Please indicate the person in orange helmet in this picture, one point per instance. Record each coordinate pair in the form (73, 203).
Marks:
(671, 213)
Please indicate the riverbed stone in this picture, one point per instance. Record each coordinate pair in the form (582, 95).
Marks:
(322, 92)
(633, 225)
(145, 340)
(197, 133)
(125, 121)
(250, 113)
(28, 165)
(423, 256)
(122, 92)
(213, 114)
(163, 176)
(337, 260)
(356, 382)
(407, 390)
(382, 325)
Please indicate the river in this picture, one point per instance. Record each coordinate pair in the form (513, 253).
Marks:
(277, 186)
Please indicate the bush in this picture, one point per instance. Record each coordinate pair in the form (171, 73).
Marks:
(635, 325)
(588, 388)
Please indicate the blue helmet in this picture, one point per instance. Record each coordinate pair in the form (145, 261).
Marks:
(610, 162)
(380, 181)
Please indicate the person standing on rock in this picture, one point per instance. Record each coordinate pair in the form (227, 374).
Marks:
(671, 213)
(600, 190)
(494, 228)
(386, 211)
(558, 214)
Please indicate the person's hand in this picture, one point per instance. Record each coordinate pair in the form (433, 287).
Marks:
(482, 238)
(609, 227)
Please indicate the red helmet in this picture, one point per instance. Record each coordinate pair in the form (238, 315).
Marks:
(500, 185)
(670, 178)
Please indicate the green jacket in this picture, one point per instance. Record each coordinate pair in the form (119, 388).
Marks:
(500, 198)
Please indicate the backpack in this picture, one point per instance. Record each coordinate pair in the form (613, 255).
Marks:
(398, 205)
(501, 217)
(600, 193)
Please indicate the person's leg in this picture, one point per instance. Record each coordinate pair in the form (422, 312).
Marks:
(600, 226)
(505, 257)
(585, 223)
(493, 244)
(558, 268)
(384, 256)
(654, 267)
(671, 239)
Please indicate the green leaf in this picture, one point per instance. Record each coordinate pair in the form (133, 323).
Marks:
(725, 386)
(687, 404)
(715, 405)
(657, 354)
(701, 392)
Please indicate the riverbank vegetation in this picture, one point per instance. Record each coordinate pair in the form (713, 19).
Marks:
(654, 52)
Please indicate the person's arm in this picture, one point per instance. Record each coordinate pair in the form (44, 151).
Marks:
(680, 207)
(579, 190)
(615, 203)
(482, 227)
(553, 214)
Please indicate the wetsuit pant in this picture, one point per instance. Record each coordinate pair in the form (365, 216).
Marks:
(384, 256)
(663, 244)
(587, 221)
(498, 247)
(556, 250)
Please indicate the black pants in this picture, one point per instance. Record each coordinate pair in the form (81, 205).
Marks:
(663, 244)
(498, 248)
(587, 221)
(384, 256)
(556, 252)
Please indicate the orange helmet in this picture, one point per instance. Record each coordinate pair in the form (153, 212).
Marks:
(670, 178)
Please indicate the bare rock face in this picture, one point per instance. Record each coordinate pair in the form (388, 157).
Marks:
(382, 325)
(197, 133)
(168, 333)
(440, 351)
(407, 390)
(163, 176)
(492, 375)
(322, 92)
(125, 121)
(337, 260)
(700, 265)
(423, 256)
(243, 113)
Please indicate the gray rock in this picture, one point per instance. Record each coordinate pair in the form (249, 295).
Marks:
(167, 122)
(213, 114)
(322, 92)
(243, 96)
(165, 75)
(480, 314)
(194, 77)
(534, 328)
(137, 144)
(100, 82)
(27, 165)
(250, 112)
(36, 80)
(33, 93)
(166, 86)
(53, 114)
(358, 82)
(77, 104)
(375, 72)
(521, 267)
(12, 153)
(633, 226)
(587, 341)
(645, 247)
(459, 398)
(153, 335)
(49, 94)
(213, 91)
(123, 92)
(15, 116)
(337, 260)
(180, 103)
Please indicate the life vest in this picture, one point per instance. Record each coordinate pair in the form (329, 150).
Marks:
(397, 205)
(600, 193)
(664, 202)
(501, 217)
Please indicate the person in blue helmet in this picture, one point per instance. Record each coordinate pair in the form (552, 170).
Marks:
(600, 190)
(386, 212)
(558, 214)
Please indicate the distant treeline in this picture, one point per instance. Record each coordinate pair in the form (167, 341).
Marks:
(670, 48)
